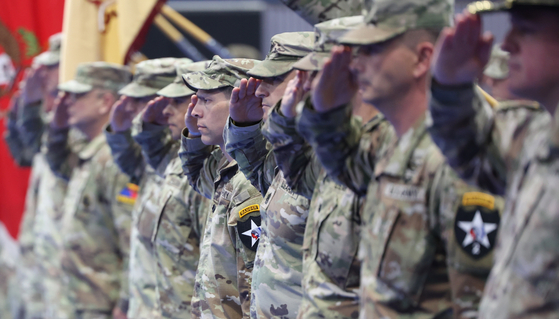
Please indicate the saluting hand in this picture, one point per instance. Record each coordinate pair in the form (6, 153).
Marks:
(61, 116)
(293, 94)
(122, 114)
(245, 107)
(154, 111)
(190, 120)
(336, 84)
(32, 87)
(461, 52)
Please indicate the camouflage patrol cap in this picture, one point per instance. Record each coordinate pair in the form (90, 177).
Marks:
(326, 36)
(177, 88)
(97, 75)
(490, 6)
(388, 19)
(219, 74)
(151, 76)
(498, 67)
(52, 55)
(286, 49)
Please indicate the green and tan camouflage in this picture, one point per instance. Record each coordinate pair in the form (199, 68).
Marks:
(178, 88)
(51, 57)
(223, 279)
(388, 19)
(151, 76)
(326, 36)
(285, 50)
(97, 75)
(219, 74)
(316, 11)
(490, 6)
(510, 149)
(497, 67)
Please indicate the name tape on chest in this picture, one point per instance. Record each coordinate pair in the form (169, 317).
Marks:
(404, 192)
(249, 209)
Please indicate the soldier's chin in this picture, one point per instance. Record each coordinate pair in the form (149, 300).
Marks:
(206, 139)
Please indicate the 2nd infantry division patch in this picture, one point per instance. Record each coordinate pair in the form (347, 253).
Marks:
(476, 224)
(250, 232)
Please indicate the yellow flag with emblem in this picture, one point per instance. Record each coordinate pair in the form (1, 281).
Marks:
(103, 30)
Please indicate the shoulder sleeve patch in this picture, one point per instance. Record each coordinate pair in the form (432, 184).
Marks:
(249, 209)
(478, 199)
(128, 194)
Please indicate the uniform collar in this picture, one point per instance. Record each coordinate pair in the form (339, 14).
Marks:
(400, 150)
(92, 147)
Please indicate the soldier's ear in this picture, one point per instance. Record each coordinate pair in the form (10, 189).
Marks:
(424, 52)
(108, 99)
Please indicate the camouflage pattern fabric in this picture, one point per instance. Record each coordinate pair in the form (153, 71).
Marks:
(223, 278)
(177, 241)
(95, 226)
(285, 50)
(9, 256)
(277, 273)
(97, 74)
(330, 265)
(219, 74)
(497, 67)
(406, 210)
(510, 150)
(151, 76)
(490, 6)
(24, 131)
(316, 11)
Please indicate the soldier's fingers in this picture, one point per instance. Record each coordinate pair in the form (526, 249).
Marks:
(486, 44)
(251, 86)
(235, 95)
(242, 89)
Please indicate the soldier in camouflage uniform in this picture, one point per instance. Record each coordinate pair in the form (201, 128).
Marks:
(330, 265)
(9, 256)
(315, 11)
(277, 273)
(172, 236)
(150, 76)
(425, 248)
(95, 226)
(508, 150)
(223, 279)
(39, 236)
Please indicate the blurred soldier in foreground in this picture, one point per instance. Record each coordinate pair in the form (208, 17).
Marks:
(511, 151)
(95, 226)
(231, 236)
(277, 273)
(150, 77)
(419, 258)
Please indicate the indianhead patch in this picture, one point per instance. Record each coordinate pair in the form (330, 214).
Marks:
(476, 225)
(250, 231)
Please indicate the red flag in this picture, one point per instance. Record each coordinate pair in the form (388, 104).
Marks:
(25, 26)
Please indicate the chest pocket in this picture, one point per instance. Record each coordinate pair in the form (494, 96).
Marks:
(401, 245)
(338, 238)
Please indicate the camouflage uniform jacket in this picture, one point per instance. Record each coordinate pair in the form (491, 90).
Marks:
(176, 240)
(170, 222)
(412, 262)
(24, 131)
(223, 278)
(511, 150)
(277, 273)
(330, 264)
(128, 149)
(95, 226)
(315, 11)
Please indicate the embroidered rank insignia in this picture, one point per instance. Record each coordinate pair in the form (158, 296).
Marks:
(250, 231)
(128, 194)
(476, 224)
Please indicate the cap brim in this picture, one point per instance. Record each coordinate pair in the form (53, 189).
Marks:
(369, 34)
(74, 86)
(47, 58)
(487, 7)
(271, 68)
(314, 61)
(136, 90)
(200, 81)
(175, 90)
